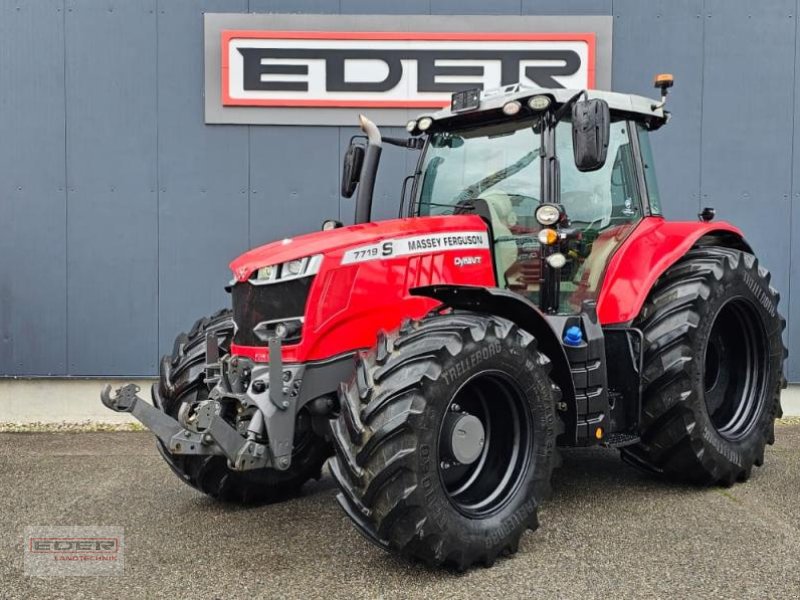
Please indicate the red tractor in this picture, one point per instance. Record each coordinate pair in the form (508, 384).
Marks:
(530, 296)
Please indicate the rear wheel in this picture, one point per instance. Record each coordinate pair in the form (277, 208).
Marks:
(713, 368)
(446, 439)
(182, 382)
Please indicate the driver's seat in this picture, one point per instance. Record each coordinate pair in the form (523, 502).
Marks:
(503, 217)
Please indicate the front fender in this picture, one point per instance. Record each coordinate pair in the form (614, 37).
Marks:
(650, 249)
(525, 314)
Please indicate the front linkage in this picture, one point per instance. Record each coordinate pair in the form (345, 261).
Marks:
(202, 430)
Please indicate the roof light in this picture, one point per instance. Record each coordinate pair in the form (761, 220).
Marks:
(424, 123)
(511, 108)
(411, 126)
(539, 102)
(663, 80)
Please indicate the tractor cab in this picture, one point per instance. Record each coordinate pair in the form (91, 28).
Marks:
(561, 177)
(513, 162)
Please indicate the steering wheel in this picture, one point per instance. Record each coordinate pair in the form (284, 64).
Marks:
(582, 198)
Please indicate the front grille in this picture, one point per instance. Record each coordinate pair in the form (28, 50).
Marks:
(253, 304)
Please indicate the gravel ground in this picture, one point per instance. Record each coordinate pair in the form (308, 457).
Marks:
(609, 532)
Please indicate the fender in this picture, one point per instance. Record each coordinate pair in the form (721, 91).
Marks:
(650, 249)
(528, 316)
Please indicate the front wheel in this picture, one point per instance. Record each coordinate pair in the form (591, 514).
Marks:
(713, 368)
(446, 438)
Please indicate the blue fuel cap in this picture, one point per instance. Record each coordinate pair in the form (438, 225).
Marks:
(573, 336)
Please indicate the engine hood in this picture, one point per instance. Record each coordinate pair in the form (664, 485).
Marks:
(322, 242)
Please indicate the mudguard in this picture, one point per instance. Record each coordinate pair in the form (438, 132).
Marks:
(650, 249)
(523, 312)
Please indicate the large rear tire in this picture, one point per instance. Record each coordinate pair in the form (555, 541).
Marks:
(182, 380)
(713, 368)
(414, 405)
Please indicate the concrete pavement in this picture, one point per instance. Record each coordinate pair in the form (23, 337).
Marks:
(608, 532)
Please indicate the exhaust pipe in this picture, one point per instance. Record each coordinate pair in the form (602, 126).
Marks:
(369, 170)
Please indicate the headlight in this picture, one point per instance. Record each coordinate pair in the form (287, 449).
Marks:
(292, 269)
(267, 273)
(547, 214)
(424, 123)
(411, 126)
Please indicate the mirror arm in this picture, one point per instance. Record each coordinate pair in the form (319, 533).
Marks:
(412, 143)
(565, 108)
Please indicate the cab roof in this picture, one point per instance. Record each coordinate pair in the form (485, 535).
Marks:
(636, 107)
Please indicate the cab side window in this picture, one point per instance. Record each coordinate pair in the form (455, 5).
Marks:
(648, 164)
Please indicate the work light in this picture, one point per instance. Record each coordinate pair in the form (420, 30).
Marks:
(539, 102)
(511, 108)
(556, 260)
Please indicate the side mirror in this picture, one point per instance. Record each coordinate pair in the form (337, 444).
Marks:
(591, 128)
(351, 168)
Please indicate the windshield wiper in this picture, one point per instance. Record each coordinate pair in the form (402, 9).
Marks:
(476, 188)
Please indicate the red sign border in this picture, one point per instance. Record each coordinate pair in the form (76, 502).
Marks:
(227, 35)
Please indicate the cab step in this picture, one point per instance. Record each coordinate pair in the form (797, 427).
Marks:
(620, 440)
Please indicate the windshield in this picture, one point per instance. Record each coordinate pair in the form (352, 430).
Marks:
(501, 165)
(460, 167)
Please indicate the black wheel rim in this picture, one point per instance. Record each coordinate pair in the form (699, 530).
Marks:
(484, 486)
(735, 369)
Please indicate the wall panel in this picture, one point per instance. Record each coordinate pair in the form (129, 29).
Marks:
(791, 297)
(33, 292)
(294, 179)
(748, 94)
(122, 208)
(645, 36)
(203, 177)
(112, 243)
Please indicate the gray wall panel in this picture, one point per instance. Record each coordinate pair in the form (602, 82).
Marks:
(567, 7)
(115, 193)
(33, 325)
(369, 7)
(791, 296)
(203, 177)
(746, 168)
(644, 35)
(111, 166)
(295, 6)
(294, 179)
(475, 7)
